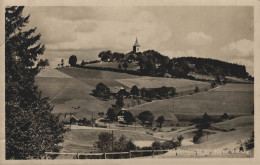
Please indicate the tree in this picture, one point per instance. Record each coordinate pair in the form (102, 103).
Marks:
(196, 90)
(120, 101)
(250, 143)
(129, 118)
(197, 135)
(225, 116)
(125, 65)
(42, 63)
(101, 91)
(130, 146)
(160, 121)
(156, 145)
(146, 117)
(180, 138)
(30, 127)
(119, 66)
(73, 60)
(105, 55)
(105, 141)
(101, 114)
(134, 91)
(120, 145)
(62, 62)
(111, 115)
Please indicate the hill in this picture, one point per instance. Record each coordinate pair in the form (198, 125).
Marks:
(73, 86)
(153, 63)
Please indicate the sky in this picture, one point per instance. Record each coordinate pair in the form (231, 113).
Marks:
(224, 33)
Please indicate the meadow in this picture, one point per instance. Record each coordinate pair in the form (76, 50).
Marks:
(131, 66)
(71, 87)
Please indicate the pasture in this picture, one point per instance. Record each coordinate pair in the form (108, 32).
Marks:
(131, 66)
(82, 140)
(71, 87)
(235, 99)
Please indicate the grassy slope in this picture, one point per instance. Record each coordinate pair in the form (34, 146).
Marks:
(231, 98)
(243, 125)
(131, 66)
(83, 140)
(70, 87)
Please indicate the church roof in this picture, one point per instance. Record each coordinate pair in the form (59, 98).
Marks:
(136, 43)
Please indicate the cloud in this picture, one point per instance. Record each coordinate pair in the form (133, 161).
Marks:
(198, 38)
(240, 52)
(241, 48)
(115, 35)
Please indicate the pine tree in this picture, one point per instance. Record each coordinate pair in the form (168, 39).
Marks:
(30, 127)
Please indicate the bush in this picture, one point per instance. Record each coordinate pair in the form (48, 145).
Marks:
(250, 143)
(197, 135)
(101, 91)
(156, 145)
(196, 90)
(73, 60)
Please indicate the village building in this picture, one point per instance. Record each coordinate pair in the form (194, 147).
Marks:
(120, 115)
(136, 47)
(116, 91)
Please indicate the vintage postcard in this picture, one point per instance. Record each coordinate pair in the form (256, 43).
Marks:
(127, 82)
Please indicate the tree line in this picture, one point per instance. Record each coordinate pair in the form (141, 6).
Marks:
(153, 63)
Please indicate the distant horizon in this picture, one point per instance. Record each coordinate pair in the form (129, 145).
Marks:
(221, 33)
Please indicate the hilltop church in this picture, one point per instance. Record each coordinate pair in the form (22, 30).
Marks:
(136, 47)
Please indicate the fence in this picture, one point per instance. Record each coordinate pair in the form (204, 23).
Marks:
(109, 155)
(143, 153)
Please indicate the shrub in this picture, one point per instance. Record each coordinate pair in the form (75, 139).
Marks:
(73, 60)
(156, 145)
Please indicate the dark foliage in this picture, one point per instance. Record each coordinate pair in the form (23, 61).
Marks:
(197, 135)
(129, 118)
(111, 114)
(160, 120)
(250, 143)
(102, 91)
(146, 117)
(73, 60)
(134, 91)
(30, 127)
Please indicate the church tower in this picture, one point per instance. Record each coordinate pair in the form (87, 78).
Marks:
(136, 47)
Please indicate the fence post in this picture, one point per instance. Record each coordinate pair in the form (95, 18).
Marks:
(77, 155)
(129, 154)
(46, 157)
(105, 155)
(153, 153)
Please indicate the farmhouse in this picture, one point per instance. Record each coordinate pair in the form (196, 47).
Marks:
(120, 115)
(116, 91)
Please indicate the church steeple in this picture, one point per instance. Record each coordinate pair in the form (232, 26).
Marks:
(136, 47)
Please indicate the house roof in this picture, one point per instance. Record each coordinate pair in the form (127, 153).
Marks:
(116, 89)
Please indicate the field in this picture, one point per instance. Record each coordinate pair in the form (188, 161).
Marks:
(235, 99)
(71, 87)
(82, 140)
(131, 66)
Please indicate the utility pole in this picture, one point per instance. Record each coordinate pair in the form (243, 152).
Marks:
(92, 119)
(70, 121)
(173, 105)
(112, 140)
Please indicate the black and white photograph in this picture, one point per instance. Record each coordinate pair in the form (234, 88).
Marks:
(130, 82)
